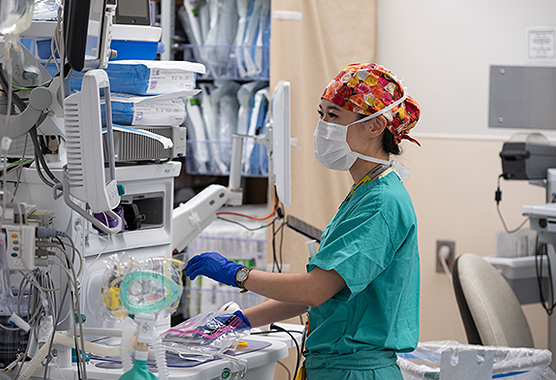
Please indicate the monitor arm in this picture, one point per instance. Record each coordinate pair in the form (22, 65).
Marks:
(192, 217)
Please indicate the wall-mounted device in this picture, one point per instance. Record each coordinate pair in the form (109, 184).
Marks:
(527, 160)
(133, 12)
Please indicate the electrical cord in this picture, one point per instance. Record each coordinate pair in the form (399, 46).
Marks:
(285, 368)
(547, 304)
(75, 301)
(19, 103)
(278, 329)
(251, 217)
(41, 162)
(277, 263)
(498, 198)
(244, 226)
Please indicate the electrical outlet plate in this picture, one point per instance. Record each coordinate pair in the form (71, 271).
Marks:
(452, 245)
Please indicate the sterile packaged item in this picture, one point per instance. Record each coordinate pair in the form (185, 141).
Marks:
(209, 107)
(242, 6)
(157, 110)
(245, 96)
(152, 77)
(228, 108)
(210, 332)
(222, 30)
(256, 162)
(151, 286)
(197, 133)
(46, 10)
(257, 31)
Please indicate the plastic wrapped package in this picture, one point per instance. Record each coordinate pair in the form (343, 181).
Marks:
(219, 112)
(232, 38)
(150, 286)
(152, 77)
(257, 33)
(159, 110)
(46, 9)
(436, 360)
(221, 33)
(209, 107)
(228, 107)
(256, 159)
(15, 17)
(210, 332)
(196, 132)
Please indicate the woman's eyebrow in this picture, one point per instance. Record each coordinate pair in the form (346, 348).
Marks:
(332, 107)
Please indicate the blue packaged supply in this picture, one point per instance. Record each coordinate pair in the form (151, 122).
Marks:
(152, 77)
(158, 110)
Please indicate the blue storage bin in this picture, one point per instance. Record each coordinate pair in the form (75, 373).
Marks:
(134, 49)
(43, 49)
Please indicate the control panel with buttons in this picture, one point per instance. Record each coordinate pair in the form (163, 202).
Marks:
(20, 246)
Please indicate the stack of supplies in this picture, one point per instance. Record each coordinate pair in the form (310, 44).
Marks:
(150, 96)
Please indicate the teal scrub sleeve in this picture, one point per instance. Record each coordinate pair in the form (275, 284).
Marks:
(358, 249)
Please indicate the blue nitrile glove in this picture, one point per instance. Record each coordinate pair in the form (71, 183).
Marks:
(213, 265)
(240, 314)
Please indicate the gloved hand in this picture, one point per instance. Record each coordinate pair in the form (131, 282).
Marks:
(240, 314)
(213, 265)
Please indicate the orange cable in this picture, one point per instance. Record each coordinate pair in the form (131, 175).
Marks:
(251, 217)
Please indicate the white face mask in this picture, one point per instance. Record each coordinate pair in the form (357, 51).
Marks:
(333, 152)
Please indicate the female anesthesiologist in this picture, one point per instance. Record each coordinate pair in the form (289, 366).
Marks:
(361, 288)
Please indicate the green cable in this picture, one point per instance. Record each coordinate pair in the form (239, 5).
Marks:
(31, 88)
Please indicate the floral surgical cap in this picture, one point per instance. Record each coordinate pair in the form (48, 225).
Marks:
(368, 88)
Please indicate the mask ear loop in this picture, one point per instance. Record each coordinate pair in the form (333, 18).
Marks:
(400, 170)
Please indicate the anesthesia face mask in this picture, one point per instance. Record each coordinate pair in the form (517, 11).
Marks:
(333, 152)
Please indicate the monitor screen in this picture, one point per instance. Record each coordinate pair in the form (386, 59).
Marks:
(83, 30)
(133, 12)
(281, 141)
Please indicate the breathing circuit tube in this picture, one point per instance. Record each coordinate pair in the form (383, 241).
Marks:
(160, 356)
(128, 334)
(68, 341)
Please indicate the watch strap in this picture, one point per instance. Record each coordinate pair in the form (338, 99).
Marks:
(240, 282)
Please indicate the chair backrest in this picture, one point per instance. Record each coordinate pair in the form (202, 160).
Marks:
(491, 313)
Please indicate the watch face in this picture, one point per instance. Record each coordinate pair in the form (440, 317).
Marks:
(241, 275)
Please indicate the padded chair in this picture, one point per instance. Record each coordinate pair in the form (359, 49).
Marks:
(491, 313)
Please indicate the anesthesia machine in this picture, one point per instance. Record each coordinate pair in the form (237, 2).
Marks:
(88, 226)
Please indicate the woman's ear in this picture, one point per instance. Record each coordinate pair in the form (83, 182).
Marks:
(377, 125)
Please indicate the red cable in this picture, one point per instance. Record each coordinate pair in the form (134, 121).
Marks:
(251, 217)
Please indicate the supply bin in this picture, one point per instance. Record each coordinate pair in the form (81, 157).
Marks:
(450, 360)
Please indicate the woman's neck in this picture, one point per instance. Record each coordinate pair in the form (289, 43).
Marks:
(361, 168)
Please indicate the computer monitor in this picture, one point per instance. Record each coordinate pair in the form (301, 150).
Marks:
(84, 31)
(133, 12)
(281, 141)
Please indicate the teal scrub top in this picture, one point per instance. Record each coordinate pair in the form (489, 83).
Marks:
(371, 243)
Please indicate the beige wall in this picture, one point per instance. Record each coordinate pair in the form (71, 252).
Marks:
(452, 184)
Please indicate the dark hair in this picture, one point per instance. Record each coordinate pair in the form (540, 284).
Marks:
(388, 143)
